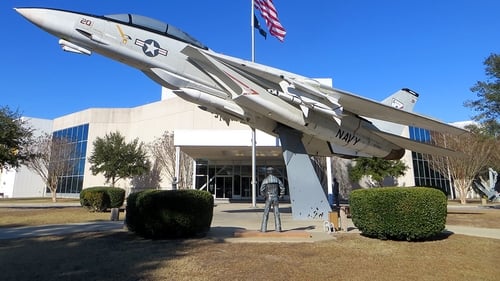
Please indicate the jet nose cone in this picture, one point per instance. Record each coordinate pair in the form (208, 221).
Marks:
(34, 15)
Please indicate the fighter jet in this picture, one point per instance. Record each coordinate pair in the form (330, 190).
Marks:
(331, 121)
(309, 117)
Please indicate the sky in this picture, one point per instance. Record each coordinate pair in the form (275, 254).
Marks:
(369, 48)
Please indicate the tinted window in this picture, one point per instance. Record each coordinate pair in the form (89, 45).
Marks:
(149, 23)
(157, 26)
(122, 17)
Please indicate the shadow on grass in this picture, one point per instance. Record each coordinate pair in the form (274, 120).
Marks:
(59, 229)
(88, 256)
(445, 234)
(20, 225)
(13, 225)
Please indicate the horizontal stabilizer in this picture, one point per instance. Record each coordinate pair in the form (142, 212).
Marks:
(373, 109)
(418, 146)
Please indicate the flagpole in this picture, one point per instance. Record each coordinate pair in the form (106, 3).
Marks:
(252, 17)
(254, 141)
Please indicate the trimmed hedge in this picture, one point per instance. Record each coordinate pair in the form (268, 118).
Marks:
(399, 213)
(101, 198)
(160, 214)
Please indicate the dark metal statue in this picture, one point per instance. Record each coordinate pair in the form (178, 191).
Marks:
(273, 189)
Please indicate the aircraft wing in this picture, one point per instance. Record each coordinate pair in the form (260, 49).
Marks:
(373, 109)
(350, 102)
(271, 78)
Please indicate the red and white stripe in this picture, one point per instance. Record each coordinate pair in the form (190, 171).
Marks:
(270, 15)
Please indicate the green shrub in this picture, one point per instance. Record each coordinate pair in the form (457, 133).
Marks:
(170, 214)
(416, 213)
(116, 196)
(94, 200)
(101, 198)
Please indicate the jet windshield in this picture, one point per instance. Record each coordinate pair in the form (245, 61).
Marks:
(156, 26)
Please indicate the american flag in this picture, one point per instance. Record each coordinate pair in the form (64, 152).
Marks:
(270, 15)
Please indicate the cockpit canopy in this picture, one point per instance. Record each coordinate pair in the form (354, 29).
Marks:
(157, 27)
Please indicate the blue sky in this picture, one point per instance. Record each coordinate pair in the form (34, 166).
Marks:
(370, 48)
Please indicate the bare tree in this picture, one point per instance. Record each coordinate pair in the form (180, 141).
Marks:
(149, 180)
(53, 158)
(476, 152)
(164, 152)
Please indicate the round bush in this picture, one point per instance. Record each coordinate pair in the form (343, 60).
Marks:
(415, 213)
(160, 214)
(101, 198)
(116, 196)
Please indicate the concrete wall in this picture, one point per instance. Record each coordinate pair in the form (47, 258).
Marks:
(24, 182)
(146, 122)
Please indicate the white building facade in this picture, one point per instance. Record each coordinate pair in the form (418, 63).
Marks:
(22, 182)
(222, 152)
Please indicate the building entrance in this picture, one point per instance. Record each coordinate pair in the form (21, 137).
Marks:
(246, 187)
(223, 186)
(231, 181)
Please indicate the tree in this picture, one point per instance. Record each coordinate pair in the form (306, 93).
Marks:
(494, 160)
(488, 93)
(52, 158)
(475, 153)
(117, 159)
(164, 152)
(15, 138)
(149, 180)
(378, 169)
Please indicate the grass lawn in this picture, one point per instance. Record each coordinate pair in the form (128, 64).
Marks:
(29, 214)
(123, 256)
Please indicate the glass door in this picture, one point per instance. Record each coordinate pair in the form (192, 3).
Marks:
(223, 186)
(246, 186)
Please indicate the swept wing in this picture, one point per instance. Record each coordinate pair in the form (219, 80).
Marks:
(350, 102)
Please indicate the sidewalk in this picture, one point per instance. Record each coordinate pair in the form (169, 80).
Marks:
(232, 222)
(238, 218)
(474, 231)
(240, 222)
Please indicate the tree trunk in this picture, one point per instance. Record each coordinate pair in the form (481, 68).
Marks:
(462, 188)
(54, 196)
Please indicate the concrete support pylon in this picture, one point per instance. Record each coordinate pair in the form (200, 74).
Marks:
(306, 193)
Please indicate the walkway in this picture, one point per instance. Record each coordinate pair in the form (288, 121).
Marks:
(232, 222)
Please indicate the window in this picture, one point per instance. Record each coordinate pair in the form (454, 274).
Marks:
(78, 136)
(157, 27)
(424, 175)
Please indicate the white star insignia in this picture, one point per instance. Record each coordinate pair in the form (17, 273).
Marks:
(150, 48)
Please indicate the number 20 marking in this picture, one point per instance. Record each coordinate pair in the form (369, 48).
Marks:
(85, 21)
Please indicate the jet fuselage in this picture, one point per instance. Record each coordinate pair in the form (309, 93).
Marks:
(223, 85)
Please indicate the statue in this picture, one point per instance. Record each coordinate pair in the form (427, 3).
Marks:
(493, 178)
(488, 189)
(272, 189)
